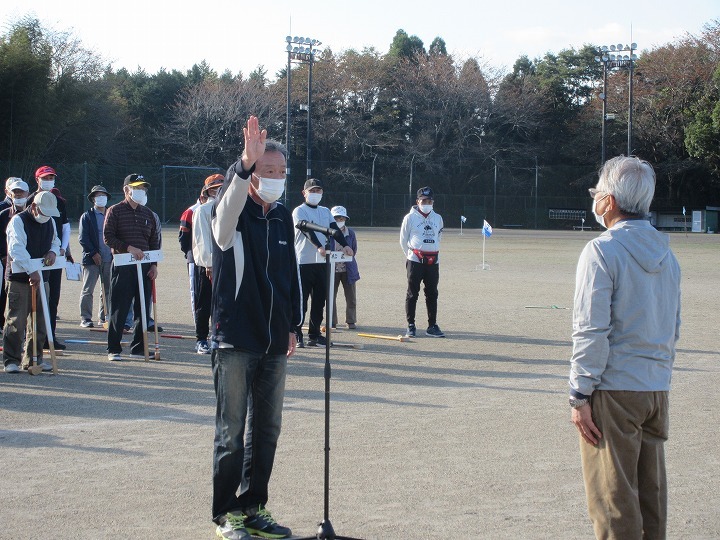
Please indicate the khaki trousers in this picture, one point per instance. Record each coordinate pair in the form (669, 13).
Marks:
(625, 480)
(18, 327)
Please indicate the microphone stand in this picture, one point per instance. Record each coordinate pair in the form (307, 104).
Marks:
(325, 528)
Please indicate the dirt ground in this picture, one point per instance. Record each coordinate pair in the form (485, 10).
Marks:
(463, 437)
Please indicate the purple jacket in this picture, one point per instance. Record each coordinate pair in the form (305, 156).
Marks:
(351, 267)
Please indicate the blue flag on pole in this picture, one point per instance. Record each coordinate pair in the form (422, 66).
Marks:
(487, 229)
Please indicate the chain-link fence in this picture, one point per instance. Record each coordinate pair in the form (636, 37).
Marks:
(500, 202)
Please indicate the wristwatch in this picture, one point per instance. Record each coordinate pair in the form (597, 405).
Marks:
(578, 402)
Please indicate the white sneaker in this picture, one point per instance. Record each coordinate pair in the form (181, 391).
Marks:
(12, 368)
(45, 366)
(114, 357)
(137, 356)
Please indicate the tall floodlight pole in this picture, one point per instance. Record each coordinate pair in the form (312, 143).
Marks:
(631, 63)
(309, 118)
(609, 59)
(302, 50)
(289, 49)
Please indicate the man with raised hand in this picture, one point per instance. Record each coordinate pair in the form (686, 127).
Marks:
(256, 307)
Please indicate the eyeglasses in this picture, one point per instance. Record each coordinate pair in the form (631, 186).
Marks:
(594, 192)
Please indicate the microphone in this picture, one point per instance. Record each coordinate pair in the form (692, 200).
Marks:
(308, 226)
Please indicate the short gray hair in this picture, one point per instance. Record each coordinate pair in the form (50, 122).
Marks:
(631, 181)
(272, 145)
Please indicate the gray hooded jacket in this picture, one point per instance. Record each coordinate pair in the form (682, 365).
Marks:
(626, 317)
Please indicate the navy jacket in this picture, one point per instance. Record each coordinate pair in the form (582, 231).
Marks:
(259, 314)
(89, 237)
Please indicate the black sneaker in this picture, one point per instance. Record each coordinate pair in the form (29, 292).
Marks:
(300, 342)
(319, 341)
(434, 331)
(58, 345)
(410, 332)
(261, 523)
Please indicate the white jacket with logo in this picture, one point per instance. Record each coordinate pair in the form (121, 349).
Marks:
(420, 232)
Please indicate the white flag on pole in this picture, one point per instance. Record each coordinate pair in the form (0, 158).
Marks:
(463, 219)
(487, 229)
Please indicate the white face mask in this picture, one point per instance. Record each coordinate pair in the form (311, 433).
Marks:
(47, 185)
(270, 189)
(313, 198)
(20, 202)
(599, 218)
(139, 196)
(340, 223)
(101, 201)
(425, 208)
(40, 218)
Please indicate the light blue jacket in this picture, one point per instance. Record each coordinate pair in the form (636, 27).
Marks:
(626, 317)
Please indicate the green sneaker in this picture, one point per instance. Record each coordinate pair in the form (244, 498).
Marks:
(261, 523)
(233, 528)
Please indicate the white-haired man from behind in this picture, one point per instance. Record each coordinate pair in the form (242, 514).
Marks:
(626, 323)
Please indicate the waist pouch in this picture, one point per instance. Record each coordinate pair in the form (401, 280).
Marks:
(426, 257)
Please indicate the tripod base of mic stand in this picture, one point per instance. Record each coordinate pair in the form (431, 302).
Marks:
(326, 532)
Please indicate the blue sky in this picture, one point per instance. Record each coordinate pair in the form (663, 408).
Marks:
(239, 35)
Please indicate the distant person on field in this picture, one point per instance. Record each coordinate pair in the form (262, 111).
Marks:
(626, 322)
(346, 273)
(310, 249)
(130, 227)
(31, 235)
(16, 192)
(185, 239)
(420, 241)
(46, 178)
(96, 257)
(202, 246)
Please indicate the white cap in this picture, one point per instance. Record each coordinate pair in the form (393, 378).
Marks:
(339, 211)
(16, 183)
(47, 203)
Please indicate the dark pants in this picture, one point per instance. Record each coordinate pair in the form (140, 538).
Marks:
(418, 273)
(249, 388)
(54, 282)
(3, 302)
(202, 288)
(314, 284)
(123, 289)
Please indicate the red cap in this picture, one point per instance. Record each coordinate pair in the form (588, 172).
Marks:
(45, 170)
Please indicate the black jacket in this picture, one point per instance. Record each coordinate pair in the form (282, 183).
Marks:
(268, 305)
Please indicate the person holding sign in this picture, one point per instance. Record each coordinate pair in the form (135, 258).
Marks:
(130, 227)
(31, 234)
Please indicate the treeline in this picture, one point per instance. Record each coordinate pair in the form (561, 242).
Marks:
(455, 123)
